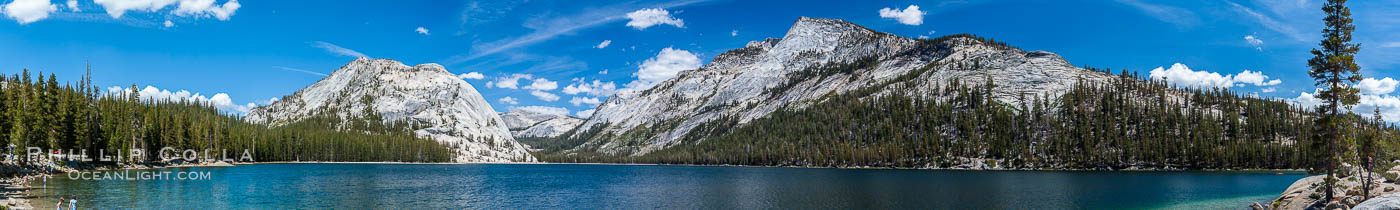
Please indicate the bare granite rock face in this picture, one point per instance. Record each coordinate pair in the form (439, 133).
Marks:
(1306, 193)
(539, 122)
(1385, 202)
(775, 73)
(446, 108)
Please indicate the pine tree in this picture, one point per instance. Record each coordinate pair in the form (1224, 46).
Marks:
(1334, 70)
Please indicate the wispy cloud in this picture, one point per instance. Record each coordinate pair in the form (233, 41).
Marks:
(336, 49)
(549, 28)
(1175, 15)
(300, 70)
(104, 18)
(518, 62)
(1268, 22)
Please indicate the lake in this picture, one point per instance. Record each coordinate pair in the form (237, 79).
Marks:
(553, 186)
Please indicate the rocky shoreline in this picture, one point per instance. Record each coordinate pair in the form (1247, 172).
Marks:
(16, 192)
(1308, 192)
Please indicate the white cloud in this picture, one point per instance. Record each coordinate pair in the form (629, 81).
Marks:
(336, 49)
(28, 11)
(557, 111)
(117, 8)
(1182, 75)
(1373, 86)
(169, 24)
(923, 37)
(184, 8)
(509, 100)
(512, 81)
(421, 30)
(644, 18)
(665, 65)
(735, 32)
(604, 44)
(542, 84)
(1255, 78)
(471, 75)
(73, 5)
(909, 16)
(151, 93)
(546, 96)
(1388, 105)
(595, 88)
(1254, 41)
(1390, 44)
(206, 8)
(579, 101)
(269, 101)
(1306, 99)
(585, 113)
(604, 71)
(1268, 90)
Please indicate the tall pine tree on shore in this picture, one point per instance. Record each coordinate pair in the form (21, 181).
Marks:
(1334, 69)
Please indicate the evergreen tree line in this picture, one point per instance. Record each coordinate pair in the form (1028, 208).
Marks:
(79, 119)
(1129, 122)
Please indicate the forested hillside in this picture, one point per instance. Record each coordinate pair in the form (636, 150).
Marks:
(1130, 122)
(40, 112)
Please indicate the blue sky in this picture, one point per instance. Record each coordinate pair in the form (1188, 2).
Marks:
(551, 53)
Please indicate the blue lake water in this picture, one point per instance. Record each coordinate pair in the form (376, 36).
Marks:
(553, 186)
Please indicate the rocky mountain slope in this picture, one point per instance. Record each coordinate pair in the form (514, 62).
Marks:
(525, 122)
(436, 103)
(816, 58)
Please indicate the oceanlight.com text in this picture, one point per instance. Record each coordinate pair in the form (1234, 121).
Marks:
(140, 175)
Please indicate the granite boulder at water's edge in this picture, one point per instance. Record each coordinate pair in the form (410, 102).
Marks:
(440, 105)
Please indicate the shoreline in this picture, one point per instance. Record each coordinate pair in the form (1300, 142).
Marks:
(15, 191)
(193, 165)
(934, 169)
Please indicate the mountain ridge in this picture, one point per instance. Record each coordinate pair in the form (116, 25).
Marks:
(525, 122)
(816, 57)
(436, 103)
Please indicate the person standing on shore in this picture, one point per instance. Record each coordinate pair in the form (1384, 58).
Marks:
(72, 202)
(59, 206)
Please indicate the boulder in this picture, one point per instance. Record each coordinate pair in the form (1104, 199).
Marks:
(1299, 195)
(1336, 205)
(1352, 200)
(1256, 206)
(1344, 171)
(1389, 201)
